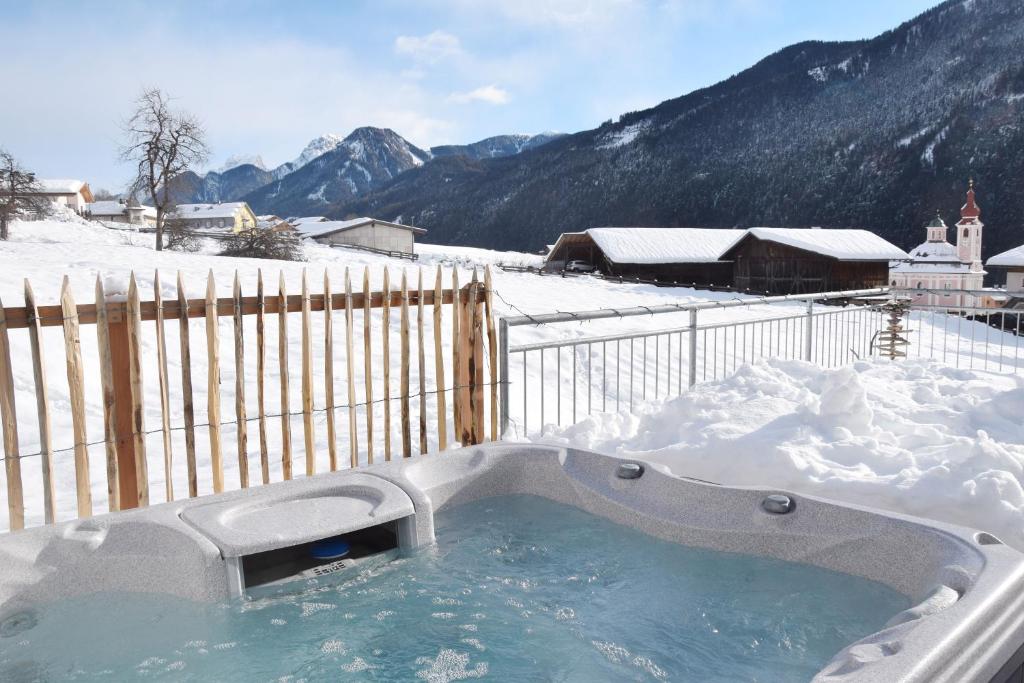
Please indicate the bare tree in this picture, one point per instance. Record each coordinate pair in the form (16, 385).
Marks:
(103, 195)
(163, 144)
(19, 193)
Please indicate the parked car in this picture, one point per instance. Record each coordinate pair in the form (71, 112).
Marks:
(578, 266)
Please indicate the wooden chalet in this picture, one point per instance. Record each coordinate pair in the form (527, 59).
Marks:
(684, 255)
(809, 260)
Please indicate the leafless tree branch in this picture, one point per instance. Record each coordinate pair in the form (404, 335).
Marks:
(163, 144)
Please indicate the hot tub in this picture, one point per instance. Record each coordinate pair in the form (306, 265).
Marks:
(508, 562)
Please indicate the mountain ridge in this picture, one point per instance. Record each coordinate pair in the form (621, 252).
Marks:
(874, 133)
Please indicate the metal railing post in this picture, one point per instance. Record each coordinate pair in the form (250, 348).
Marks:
(504, 377)
(693, 347)
(809, 331)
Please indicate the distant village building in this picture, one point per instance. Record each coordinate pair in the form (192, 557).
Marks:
(363, 232)
(74, 194)
(939, 269)
(122, 211)
(227, 216)
(810, 260)
(685, 255)
(297, 221)
(274, 223)
(1013, 262)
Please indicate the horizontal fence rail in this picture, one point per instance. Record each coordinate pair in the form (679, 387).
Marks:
(558, 381)
(245, 387)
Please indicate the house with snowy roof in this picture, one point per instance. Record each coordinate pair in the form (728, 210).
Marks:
(1013, 262)
(940, 271)
(809, 260)
(684, 255)
(74, 194)
(273, 223)
(220, 217)
(370, 233)
(122, 211)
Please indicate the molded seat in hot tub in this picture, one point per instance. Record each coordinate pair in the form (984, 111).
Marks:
(296, 515)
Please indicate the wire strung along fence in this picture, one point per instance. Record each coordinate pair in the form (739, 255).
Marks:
(575, 371)
(578, 365)
(144, 379)
(952, 326)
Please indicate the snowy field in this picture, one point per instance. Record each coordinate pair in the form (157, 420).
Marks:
(783, 423)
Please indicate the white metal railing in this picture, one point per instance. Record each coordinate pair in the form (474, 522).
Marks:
(576, 367)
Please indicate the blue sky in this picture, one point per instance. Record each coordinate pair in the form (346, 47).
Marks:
(266, 77)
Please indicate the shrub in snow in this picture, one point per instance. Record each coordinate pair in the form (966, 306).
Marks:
(179, 238)
(259, 243)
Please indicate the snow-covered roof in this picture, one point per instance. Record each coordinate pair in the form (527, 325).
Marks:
(202, 211)
(663, 245)
(329, 227)
(116, 208)
(308, 219)
(1011, 258)
(106, 208)
(844, 244)
(60, 185)
(932, 257)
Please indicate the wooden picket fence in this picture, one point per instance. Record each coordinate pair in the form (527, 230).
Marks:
(119, 327)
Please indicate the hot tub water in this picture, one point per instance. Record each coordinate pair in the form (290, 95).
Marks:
(517, 588)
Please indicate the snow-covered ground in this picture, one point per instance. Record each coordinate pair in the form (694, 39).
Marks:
(823, 458)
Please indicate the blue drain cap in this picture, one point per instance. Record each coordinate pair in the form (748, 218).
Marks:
(329, 549)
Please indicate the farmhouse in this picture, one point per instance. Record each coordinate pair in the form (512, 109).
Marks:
(230, 216)
(690, 255)
(1013, 262)
(74, 194)
(365, 232)
(122, 211)
(809, 260)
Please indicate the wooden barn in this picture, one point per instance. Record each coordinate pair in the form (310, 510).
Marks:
(808, 260)
(685, 255)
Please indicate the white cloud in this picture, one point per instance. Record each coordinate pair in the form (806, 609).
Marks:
(491, 94)
(431, 48)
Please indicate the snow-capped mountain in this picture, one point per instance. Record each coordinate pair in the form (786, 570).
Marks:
(494, 147)
(316, 147)
(244, 173)
(872, 133)
(219, 186)
(365, 159)
(236, 160)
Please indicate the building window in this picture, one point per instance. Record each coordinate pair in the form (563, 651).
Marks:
(893, 283)
(920, 285)
(967, 233)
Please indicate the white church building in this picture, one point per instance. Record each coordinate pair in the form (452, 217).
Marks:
(939, 269)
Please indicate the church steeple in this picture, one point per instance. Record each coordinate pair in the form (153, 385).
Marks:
(970, 210)
(968, 232)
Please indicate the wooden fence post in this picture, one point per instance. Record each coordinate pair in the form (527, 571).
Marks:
(121, 376)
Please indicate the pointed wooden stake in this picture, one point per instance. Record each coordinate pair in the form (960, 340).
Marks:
(442, 409)
(76, 387)
(213, 383)
(188, 407)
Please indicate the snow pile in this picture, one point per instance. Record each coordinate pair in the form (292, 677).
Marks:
(913, 437)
